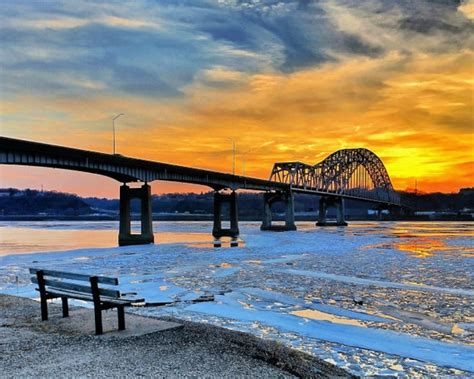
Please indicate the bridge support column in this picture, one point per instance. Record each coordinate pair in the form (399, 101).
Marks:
(330, 201)
(125, 233)
(379, 214)
(395, 213)
(272, 197)
(219, 200)
(267, 211)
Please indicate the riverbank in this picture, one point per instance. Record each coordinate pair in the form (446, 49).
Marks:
(209, 217)
(30, 347)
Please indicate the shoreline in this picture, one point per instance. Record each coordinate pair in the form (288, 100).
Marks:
(25, 336)
(210, 218)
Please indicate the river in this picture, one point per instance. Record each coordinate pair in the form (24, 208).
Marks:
(374, 298)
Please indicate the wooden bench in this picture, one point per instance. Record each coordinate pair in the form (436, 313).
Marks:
(50, 287)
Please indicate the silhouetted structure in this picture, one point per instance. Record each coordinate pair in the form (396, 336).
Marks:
(356, 174)
(349, 173)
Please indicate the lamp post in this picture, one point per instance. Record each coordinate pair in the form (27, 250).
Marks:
(113, 127)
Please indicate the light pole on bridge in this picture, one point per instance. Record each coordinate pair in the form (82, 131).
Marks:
(113, 128)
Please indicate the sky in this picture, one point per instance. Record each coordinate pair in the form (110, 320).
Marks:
(284, 80)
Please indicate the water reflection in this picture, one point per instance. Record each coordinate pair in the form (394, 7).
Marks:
(422, 247)
(420, 239)
(28, 240)
(31, 238)
(423, 240)
(323, 316)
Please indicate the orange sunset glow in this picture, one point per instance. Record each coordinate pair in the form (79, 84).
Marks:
(396, 79)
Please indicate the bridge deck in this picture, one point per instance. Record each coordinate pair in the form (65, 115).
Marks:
(126, 169)
(122, 168)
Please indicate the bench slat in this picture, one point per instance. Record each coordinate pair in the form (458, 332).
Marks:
(77, 287)
(83, 296)
(74, 276)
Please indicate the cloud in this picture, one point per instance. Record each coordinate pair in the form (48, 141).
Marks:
(129, 48)
(404, 26)
(219, 76)
(467, 8)
(395, 106)
(311, 76)
(156, 51)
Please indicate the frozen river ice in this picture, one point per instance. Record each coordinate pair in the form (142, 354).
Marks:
(393, 298)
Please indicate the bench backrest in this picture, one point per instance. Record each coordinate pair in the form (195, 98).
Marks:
(46, 275)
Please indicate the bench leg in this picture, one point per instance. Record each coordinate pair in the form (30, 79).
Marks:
(65, 307)
(121, 317)
(44, 307)
(98, 319)
(97, 306)
(43, 298)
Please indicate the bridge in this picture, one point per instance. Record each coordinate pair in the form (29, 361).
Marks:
(356, 174)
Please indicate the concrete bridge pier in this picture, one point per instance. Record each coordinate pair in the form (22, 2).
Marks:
(395, 212)
(392, 212)
(126, 237)
(379, 214)
(273, 197)
(330, 201)
(219, 200)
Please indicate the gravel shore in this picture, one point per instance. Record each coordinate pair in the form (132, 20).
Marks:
(29, 347)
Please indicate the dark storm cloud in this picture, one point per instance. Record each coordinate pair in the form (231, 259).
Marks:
(158, 49)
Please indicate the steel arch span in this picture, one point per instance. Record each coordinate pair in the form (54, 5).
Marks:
(354, 173)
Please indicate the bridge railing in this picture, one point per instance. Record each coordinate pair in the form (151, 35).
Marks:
(357, 173)
(381, 195)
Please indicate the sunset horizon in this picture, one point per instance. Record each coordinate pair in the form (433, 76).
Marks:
(287, 82)
(157, 187)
